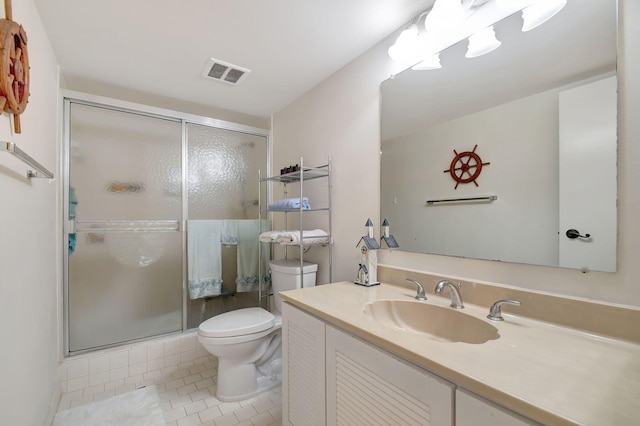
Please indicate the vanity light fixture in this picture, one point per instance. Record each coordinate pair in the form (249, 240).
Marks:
(451, 21)
(406, 49)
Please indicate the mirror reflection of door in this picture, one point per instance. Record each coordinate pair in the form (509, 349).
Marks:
(587, 160)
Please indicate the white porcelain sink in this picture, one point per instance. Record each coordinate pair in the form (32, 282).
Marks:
(440, 323)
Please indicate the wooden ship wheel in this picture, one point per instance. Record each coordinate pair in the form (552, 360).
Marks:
(14, 67)
(466, 167)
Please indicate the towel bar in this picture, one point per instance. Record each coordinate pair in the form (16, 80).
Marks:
(11, 148)
(487, 198)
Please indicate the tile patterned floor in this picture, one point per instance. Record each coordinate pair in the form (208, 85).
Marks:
(188, 397)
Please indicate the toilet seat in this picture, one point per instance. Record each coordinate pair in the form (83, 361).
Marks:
(237, 323)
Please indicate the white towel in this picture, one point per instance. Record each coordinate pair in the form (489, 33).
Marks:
(204, 258)
(229, 236)
(269, 236)
(309, 237)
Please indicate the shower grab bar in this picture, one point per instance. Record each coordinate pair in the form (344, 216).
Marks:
(124, 226)
(13, 149)
(487, 198)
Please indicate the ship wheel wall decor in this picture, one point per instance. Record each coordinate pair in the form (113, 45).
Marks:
(14, 67)
(466, 167)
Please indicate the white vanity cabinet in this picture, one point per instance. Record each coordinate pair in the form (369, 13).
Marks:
(472, 410)
(364, 385)
(331, 377)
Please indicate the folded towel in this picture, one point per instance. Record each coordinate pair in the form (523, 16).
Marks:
(290, 203)
(268, 237)
(309, 237)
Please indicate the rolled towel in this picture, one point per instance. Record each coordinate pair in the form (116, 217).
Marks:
(315, 236)
(290, 203)
(269, 236)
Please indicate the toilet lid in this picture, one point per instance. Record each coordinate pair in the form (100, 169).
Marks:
(237, 323)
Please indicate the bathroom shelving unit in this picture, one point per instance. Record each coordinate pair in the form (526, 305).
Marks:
(294, 186)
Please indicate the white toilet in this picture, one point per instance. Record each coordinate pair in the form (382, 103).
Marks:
(248, 341)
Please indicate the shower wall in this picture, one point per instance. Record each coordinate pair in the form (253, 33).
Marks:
(134, 180)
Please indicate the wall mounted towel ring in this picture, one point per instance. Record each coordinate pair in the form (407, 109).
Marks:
(573, 234)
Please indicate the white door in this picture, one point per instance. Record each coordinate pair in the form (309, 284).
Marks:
(588, 195)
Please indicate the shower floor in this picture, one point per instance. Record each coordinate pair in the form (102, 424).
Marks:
(187, 397)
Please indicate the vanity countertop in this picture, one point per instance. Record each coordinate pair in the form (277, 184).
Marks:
(550, 374)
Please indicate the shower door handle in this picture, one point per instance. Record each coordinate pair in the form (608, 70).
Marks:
(70, 226)
(125, 225)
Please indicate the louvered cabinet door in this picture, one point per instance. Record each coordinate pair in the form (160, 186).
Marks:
(472, 410)
(303, 368)
(367, 386)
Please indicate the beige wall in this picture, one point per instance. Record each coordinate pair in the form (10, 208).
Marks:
(29, 235)
(340, 117)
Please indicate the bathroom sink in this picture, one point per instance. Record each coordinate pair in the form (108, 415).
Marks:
(438, 322)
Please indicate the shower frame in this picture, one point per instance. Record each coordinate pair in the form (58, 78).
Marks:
(68, 98)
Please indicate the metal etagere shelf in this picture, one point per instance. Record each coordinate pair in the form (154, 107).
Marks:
(297, 178)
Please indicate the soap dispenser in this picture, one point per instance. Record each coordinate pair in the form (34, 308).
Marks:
(367, 271)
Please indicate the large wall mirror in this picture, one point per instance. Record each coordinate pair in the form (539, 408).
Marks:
(540, 112)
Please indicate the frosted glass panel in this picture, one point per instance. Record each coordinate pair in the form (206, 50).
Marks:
(223, 173)
(125, 272)
(222, 184)
(124, 286)
(124, 165)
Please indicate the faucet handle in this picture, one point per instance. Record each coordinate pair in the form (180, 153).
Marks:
(420, 295)
(495, 312)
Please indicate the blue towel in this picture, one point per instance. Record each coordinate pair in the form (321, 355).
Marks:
(73, 204)
(290, 203)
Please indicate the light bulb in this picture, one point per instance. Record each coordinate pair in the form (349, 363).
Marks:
(407, 46)
(540, 12)
(482, 42)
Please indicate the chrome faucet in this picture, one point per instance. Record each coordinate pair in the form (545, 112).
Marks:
(454, 291)
(420, 295)
(495, 313)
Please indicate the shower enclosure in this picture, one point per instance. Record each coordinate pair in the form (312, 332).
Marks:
(134, 179)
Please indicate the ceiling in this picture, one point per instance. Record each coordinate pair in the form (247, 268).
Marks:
(161, 47)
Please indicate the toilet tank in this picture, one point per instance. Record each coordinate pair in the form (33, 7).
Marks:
(285, 275)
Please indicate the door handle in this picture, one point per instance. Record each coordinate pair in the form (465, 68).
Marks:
(573, 234)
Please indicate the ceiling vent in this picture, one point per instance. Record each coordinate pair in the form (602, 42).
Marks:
(224, 71)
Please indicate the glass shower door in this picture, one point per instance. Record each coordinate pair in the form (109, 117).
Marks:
(125, 257)
(222, 187)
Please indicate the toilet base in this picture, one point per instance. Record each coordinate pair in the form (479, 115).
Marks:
(237, 382)
(264, 384)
